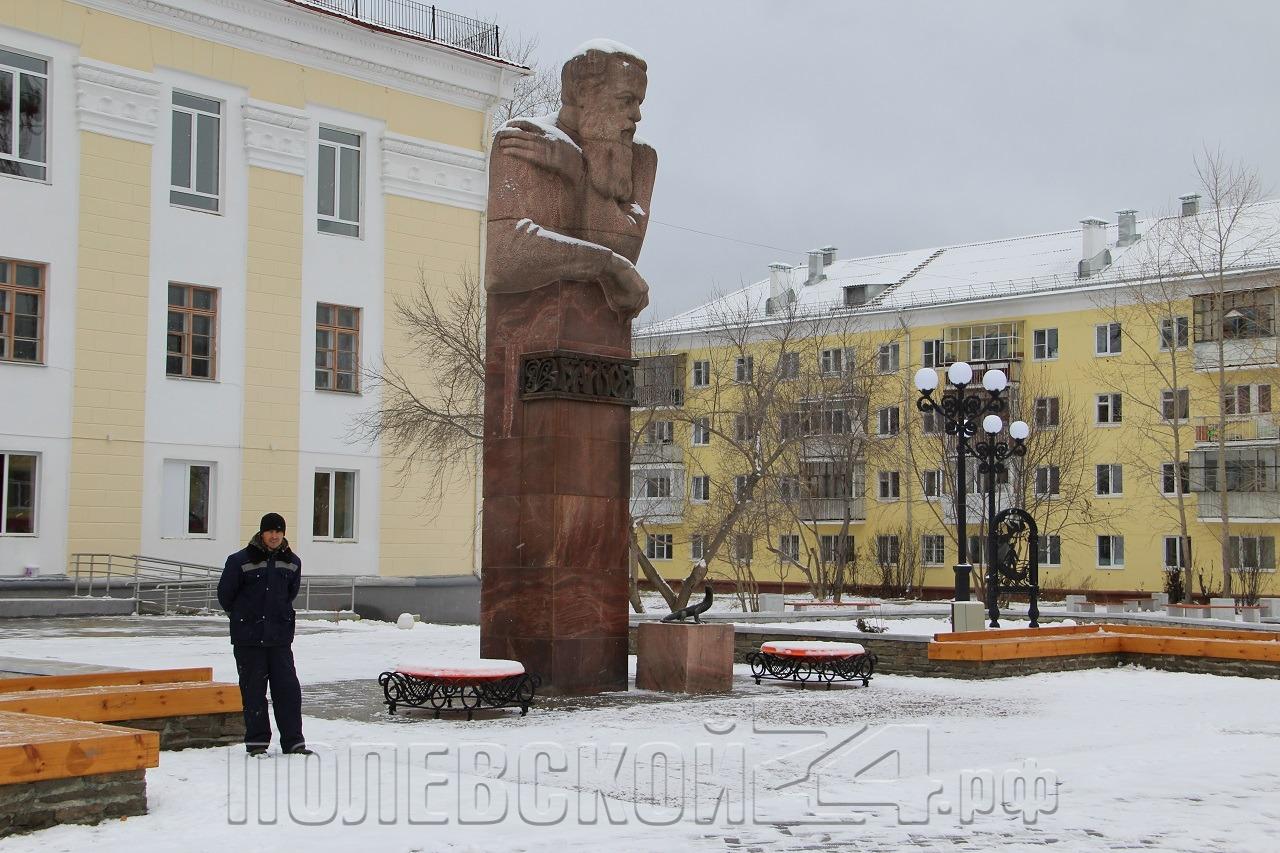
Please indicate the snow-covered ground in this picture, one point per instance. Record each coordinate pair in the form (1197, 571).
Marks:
(1091, 760)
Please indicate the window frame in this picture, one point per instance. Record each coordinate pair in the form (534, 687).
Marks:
(744, 369)
(334, 223)
(697, 547)
(1114, 402)
(1114, 339)
(334, 330)
(695, 481)
(889, 359)
(1050, 406)
(888, 485)
(888, 421)
(888, 542)
(785, 541)
(9, 314)
(1236, 552)
(36, 464)
(1114, 473)
(1182, 479)
(1112, 539)
(1180, 326)
(931, 353)
(176, 190)
(700, 432)
(1053, 481)
(1037, 345)
(1176, 401)
(659, 546)
(1051, 544)
(355, 505)
(933, 549)
(1178, 555)
(789, 366)
(700, 370)
(189, 311)
(17, 73)
(938, 476)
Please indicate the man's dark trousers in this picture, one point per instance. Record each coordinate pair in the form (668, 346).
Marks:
(257, 666)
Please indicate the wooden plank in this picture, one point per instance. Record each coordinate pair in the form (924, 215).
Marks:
(1202, 633)
(131, 702)
(1057, 630)
(1201, 648)
(105, 679)
(1017, 648)
(37, 748)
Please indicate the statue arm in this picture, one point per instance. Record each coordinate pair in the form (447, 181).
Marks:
(523, 256)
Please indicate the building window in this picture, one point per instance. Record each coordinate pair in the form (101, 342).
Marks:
(1044, 344)
(657, 486)
(977, 547)
(789, 365)
(1110, 480)
(24, 112)
(887, 550)
(933, 549)
(1235, 316)
(742, 547)
(931, 482)
(744, 428)
(338, 190)
(191, 341)
(1173, 557)
(21, 311)
(1049, 550)
(855, 295)
(1171, 485)
(657, 546)
(700, 488)
(1175, 404)
(832, 362)
(932, 356)
(337, 348)
(1110, 552)
(888, 421)
(1175, 332)
(1108, 408)
(660, 432)
(931, 423)
(189, 490)
(697, 546)
(742, 489)
(701, 374)
(744, 369)
(1107, 339)
(1045, 413)
(18, 500)
(334, 505)
(887, 362)
(196, 158)
(889, 485)
(1252, 552)
(834, 548)
(701, 432)
(1048, 481)
(789, 546)
(1246, 399)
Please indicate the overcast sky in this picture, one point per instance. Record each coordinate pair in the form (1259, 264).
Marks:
(882, 126)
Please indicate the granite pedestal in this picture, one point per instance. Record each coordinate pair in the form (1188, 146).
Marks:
(684, 658)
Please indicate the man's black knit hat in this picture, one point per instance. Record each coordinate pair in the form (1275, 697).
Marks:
(271, 521)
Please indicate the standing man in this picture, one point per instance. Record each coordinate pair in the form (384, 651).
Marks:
(257, 590)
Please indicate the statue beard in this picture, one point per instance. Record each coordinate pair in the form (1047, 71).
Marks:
(609, 167)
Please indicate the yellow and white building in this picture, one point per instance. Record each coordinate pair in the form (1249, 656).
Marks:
(207, 210)
(1058, 313)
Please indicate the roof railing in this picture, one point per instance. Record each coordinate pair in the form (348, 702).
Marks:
(419, 20)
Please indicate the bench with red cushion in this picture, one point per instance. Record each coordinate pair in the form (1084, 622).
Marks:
(460, 686)
(812, 660)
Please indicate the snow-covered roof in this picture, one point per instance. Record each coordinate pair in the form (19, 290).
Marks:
(1001, 269)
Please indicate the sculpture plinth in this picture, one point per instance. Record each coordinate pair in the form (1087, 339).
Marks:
(684, 658)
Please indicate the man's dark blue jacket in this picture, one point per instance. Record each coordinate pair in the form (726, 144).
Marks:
(257, 590)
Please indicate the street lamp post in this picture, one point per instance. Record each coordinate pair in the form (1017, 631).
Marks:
(991, 462)
(961, 414)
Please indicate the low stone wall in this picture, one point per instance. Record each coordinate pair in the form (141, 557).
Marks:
(197, 731)
(82, 799)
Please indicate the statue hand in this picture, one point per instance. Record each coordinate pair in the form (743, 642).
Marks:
(624, 289)
(530, 142)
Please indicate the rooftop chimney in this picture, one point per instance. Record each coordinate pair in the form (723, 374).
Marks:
(1190, 204)
(815, 267)
(780, 292)
(828, 255)
(1128, 227)
(1094, 251)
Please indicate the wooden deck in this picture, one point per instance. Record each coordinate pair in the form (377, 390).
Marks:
(124, 702)
(104, 679)
(1106, 639)
(34, 748)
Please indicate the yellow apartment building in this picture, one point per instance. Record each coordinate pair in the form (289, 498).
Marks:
(1116, 338)
(207, 211)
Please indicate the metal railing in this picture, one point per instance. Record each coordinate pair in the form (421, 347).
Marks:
(419, 20)
(171, 586)
(1239, 428)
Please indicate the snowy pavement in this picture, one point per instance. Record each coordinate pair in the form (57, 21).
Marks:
(1093, 760)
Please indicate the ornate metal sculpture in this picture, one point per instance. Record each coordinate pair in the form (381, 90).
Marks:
(1016, 564)
(577, 376)
(692, 610)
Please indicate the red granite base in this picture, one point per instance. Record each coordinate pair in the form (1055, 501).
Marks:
(684, 658)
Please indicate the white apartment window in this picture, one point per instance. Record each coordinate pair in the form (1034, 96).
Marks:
(338, 188)
(788, 488)
(697, 546)
(191, 333)
(18, 499)
(977, 548)
(744, 369)
(741, 488)
(1252, 552)
(742, 547)
(744, 428)
(700, 488)
(701, 374)
(1107, 339)
(1175, 403)
(887, 362)
(188, 490)
(1045, 413)
(789, 365)
(835, 362)
(1173, 558)
(657, 546)
(932, 356)
(887, 550)
(337, 348)
(1049, 550)
(1110, 479)
(1110, 552)
(657, 486)
(1171, 484)
(701, 432)
(789, 546)
(834, 548)
(333, 507)
(931, 423)
(1044, 344)
(933, 549)
(889, 485)
(931, 482)
(1048, 481)
(1247, 399)
(24, 115)
(660, 432)
(889, 421)
(195, 163)
(22, 305)
(1108, 408)
(1175, 332)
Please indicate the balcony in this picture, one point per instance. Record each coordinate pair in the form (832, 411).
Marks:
(418, 20)
(659, 396)
(668, 510)
(975, 507)
(660, 380)
(1237, 352)
(648, 454)
(1241, 506)
(831, 509)
(1239, 428)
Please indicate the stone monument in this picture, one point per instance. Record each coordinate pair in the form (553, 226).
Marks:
(568, 209)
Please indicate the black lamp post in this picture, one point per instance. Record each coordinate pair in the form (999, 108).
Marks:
(991, 462)
(961, 414)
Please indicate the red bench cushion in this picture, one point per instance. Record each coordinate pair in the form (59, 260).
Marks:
(489, 669)
(812, 649)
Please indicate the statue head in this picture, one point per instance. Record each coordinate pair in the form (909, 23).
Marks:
(602, 87)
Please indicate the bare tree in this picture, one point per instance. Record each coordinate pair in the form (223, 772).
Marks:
(533, 95)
